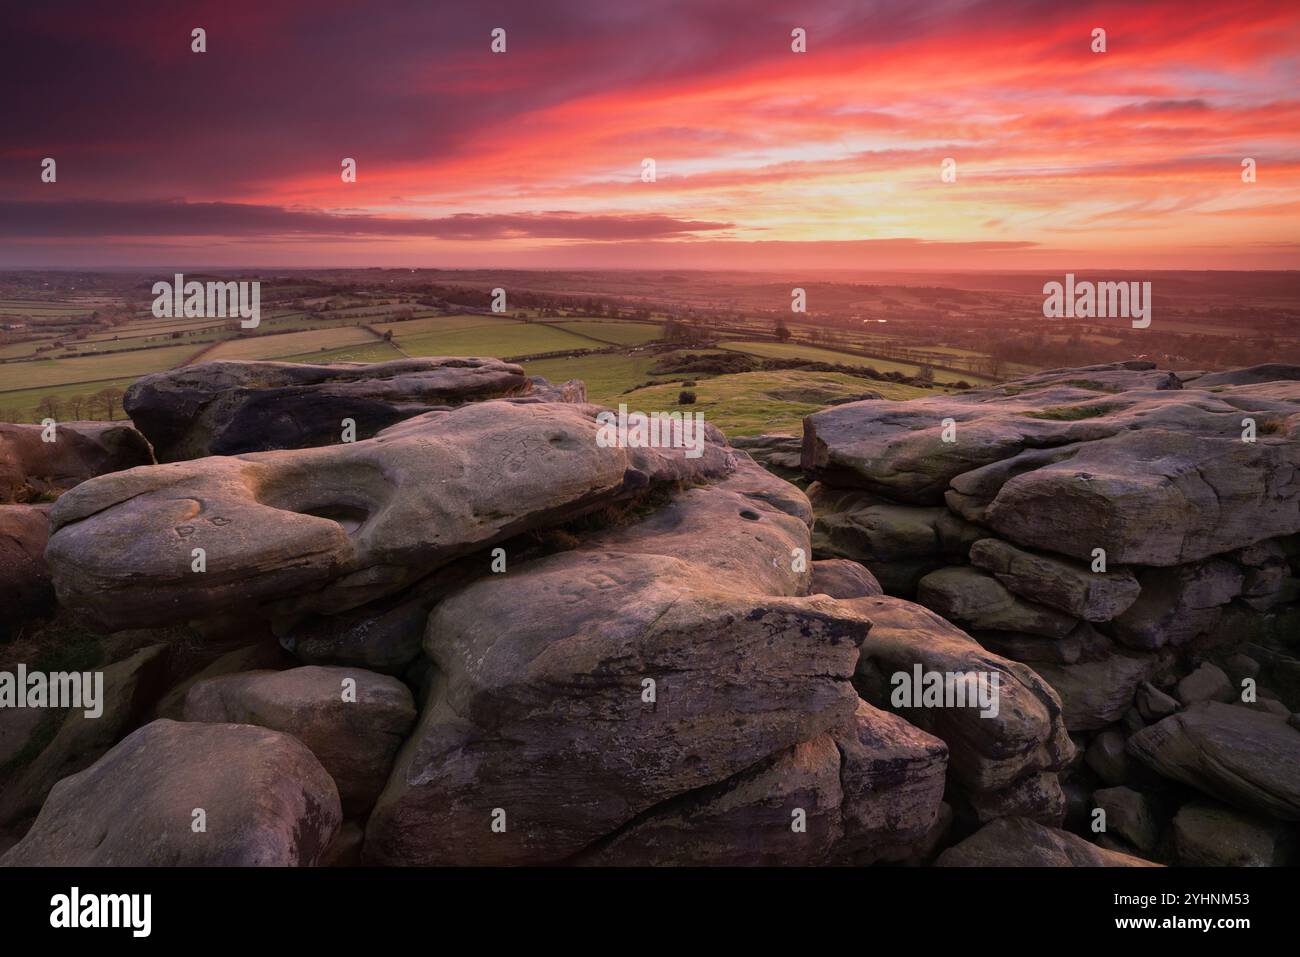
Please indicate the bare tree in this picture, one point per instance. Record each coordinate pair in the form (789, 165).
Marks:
(49, 407)
(108, 400)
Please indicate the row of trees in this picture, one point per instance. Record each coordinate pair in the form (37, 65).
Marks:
(105, 404)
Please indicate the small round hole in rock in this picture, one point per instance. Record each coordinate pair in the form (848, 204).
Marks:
(749, 514)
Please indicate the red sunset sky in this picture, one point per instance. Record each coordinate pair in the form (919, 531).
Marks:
(766, 158)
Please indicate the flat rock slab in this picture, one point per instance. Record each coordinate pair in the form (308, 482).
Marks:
(1062, 584)
(230, 407)
(1247, 758)
(266, 802)
(325, 530)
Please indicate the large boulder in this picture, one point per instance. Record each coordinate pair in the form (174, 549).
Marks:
(778, 453)
(892, 775)
(231, 407)
(328, 529)
(1129, 815)
(31, 467)
(265, 654)
(869, 790)
(651, 662)
(180, 794)
(1247, 758)
(352, 720)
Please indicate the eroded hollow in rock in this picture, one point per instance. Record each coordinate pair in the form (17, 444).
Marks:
(348, 496)
(350, 517)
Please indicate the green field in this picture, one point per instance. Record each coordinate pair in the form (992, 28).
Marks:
(22, 406)
(36, 309)
(437, 324)
(15, 376)
(755, 403)
(290, 343)
(501, 340)
(373, 351)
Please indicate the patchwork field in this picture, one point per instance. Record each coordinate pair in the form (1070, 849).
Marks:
(44, 358)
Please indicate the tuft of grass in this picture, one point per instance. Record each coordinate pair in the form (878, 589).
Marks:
(1071, 413)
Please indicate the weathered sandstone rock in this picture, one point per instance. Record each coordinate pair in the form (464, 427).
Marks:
(841, 578)
(1249, 759)
(1058, 583)
(541, 709)
(328, 529)
(231, 407)
(266, 801)
(352, 720)
(1027, 735)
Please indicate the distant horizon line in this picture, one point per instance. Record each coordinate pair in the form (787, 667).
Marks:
(922, 270)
